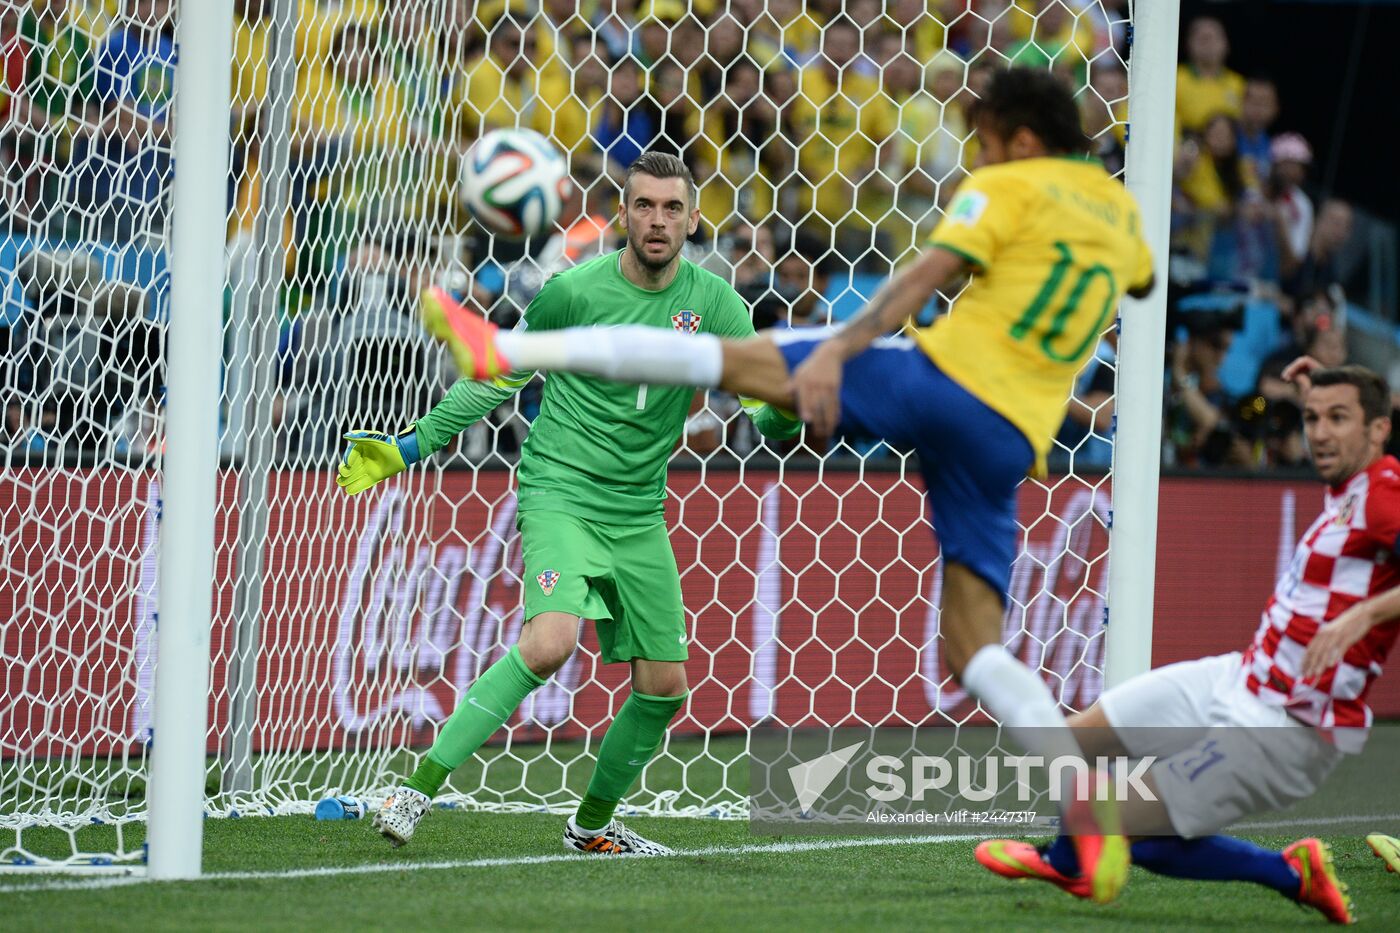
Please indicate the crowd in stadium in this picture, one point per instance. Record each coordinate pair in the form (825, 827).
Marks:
(825, 137)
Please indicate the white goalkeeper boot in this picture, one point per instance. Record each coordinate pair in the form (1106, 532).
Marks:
(400, 815)
(613, 839)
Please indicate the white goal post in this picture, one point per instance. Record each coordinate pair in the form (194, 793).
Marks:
(1137, 445)
(180, 721)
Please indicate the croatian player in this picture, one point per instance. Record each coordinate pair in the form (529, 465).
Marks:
(1052, 242)
(592, 491)
(1248, 732)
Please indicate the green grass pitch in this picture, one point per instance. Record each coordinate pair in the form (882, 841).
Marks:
(294, 873)
(499, 871)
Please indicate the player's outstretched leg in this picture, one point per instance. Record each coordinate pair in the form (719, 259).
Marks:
(1386, 848)
(488, 703)
(1303, 872)
(653, 355)
(1017, 696)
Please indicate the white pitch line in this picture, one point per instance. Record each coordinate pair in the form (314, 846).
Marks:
(89, 884)
(1320, 821)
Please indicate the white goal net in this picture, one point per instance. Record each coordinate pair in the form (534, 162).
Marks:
(826, 136)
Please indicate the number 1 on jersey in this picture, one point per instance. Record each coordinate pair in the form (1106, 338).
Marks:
(641, 396)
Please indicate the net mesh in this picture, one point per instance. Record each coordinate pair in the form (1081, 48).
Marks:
(825, 137)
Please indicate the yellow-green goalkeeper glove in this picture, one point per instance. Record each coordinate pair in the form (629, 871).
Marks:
(374, 457)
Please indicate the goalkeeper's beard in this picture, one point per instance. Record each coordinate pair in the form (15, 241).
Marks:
(637, 245)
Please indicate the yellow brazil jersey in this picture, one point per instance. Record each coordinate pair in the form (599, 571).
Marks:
(842, 123)
(1198, 98)
(1054, 243)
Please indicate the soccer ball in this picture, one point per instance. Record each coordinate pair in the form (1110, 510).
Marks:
(515, 182)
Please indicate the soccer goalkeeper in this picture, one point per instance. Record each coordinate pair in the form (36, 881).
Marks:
(592, 489)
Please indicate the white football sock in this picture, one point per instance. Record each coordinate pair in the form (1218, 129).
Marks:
(1019, 699)
(634, 353)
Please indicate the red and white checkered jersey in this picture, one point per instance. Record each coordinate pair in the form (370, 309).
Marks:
(1349, 554)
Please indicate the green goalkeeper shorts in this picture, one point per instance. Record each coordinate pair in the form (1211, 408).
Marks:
(623, 577)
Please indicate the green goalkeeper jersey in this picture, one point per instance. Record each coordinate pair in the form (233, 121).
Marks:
(598, 448)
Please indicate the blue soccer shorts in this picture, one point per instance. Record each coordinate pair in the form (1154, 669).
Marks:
(971, 457)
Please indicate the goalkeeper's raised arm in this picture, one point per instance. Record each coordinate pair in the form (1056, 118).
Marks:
(373, 456)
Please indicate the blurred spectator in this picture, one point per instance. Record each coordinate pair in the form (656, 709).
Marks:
(1204, 85)
(724, 44)
(842, 124)
(122, 166)
(688, 40)
(1087, 433)
(741, 157)
(789, 27)
(92, 347)
(349, 155)
(1321, 265)
(248, 94)
(1271, 421)
(251, 22)
(1316, 313)
(1211, 178)
(612, 23)
(1267, 433)
(588, 229)
(804, 276)
(1052, 39)
(1328, 346)
(653, 32)
(420, 61)
(363, 358)
(502, 85)
(1105, 109)
(559, 25)
(1198, 430)
(677, 117)
(1247, 244)
(1258, 111)
(1218, 177)
(1289, 157)
(923, 23)
(869, 20)
(580, 105)
(624, 126)
(902, 196)
(58, 98)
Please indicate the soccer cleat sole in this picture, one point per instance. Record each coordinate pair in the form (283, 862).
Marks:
(394, 838)
(1387, 849)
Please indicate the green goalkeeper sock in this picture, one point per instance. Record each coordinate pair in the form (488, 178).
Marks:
(489, 702)
(628, 745)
